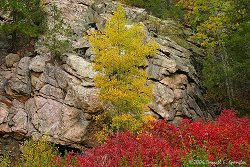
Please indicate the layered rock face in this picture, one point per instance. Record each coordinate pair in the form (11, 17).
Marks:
(40, 96)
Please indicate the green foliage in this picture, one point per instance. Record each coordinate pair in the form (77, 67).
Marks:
(5, 160)
(37, 153)
(212, 20)
(58, 34)
(197, 156)
(213, 78)
(239, 53)
(221, 27)
(121, 52)
(26, 19)
(124, 162)
(239, 50)
(159, 8)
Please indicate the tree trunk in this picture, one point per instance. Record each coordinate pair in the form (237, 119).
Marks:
(228, 81)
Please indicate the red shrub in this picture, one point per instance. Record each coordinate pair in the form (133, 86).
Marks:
(227, 138)
(132, 149)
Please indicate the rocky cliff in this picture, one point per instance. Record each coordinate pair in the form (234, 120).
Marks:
(39, 95)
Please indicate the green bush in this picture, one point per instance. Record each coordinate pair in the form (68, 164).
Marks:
(37, 153)
(57, 37)
(25, 20)
(5, 160)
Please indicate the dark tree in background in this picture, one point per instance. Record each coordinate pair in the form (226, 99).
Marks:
(22, 20)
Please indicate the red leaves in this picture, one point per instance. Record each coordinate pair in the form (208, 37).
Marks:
(227, 138)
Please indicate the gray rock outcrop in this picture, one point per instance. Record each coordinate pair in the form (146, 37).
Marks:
(40, 96)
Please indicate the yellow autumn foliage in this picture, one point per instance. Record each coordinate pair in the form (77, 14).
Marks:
(212, 20)
(121, 53)
(120, 122)
(120, 50)
(37, 153)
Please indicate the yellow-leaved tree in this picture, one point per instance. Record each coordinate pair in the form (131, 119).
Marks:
(121, 53)
(121, 50)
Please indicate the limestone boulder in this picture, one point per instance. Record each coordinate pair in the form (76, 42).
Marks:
(52, 75)
(83, 98)
(47, 116)
(37, 64)
(74, 124)
(160, 67)
(163, 94)
(20, 81)
(16, 120)
(11, 59)
(53, 92)
(78, 67)
(3, 113)
(2, 81)
(164, 97)
(20, 121)
(178, 81)
(63, 123)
